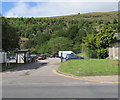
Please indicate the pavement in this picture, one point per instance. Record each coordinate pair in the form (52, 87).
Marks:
(41, 80)
(102, 79)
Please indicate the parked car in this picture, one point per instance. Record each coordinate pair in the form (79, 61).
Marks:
(73, 56)
(12, 57)
(8, 57)
(54, 55)
(41, 57)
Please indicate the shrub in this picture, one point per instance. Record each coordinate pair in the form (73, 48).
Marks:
(91, 53)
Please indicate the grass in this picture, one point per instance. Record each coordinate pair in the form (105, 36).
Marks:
(92, 16)
(90, 67)
(3, 67)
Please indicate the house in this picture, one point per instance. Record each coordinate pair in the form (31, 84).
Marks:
(114, 50)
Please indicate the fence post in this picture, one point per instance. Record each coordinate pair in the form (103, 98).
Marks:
(61, 57)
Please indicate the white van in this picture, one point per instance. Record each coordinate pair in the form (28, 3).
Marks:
(64, 53)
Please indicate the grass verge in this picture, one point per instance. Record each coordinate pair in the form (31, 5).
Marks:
(90, 67)
(3, 67)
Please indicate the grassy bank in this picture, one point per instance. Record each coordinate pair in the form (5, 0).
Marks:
(90, 67)
(3, 67)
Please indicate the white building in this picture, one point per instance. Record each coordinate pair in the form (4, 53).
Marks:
(22, 56)
(114, 50)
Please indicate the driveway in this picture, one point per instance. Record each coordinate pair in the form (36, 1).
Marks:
(37, 80)
(39, 72)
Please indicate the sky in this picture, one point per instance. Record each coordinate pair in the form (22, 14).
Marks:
(36, 8)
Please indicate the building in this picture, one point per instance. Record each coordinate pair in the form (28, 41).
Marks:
(22, 56)
(114, 50)
(3, 56)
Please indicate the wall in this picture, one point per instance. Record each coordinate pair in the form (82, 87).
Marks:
(114, 52)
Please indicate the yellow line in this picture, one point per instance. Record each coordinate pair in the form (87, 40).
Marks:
(85, 79)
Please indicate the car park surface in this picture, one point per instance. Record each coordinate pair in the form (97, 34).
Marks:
(37, 80)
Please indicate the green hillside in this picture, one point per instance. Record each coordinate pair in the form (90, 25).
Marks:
(42, 33)
(51, 24)
(95, 15)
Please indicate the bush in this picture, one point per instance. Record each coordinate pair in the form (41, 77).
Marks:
(102, 53)
(106, 22)
(91, 53)
(100, 21)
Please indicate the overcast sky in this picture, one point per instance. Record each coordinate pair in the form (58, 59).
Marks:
(49, 8)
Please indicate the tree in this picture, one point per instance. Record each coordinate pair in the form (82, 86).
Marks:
(115, 21)
(10, 38)
(101, 41)
(106, 22)
(105, 37)
(29, 44)
(100, 21)
(60, 33)
(58, 44)
(72, 32)
(41, 38)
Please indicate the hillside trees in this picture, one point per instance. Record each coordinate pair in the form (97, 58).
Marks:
(37, 42)
(10, 37)
(73, 33)
(40, 31)
(115, 21)
(58, 44)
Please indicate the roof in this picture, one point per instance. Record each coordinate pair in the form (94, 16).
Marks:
(22, 50)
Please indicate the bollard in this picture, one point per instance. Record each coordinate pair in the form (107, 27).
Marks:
(61, 58)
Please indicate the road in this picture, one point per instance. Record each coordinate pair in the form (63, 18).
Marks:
(37, 80)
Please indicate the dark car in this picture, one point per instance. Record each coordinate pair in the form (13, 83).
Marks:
(12, 58)
(54, 55)
(32, 58)
(8, 57)
(73, 56)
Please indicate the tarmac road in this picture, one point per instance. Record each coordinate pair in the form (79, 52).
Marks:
(37, 80)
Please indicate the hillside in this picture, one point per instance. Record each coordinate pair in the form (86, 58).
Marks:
(73, 27)
(55, 23)
(95, 15)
